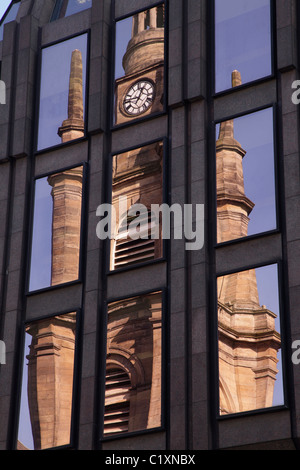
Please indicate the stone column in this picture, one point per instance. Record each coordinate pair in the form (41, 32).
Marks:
(66, 226)
(73, 127)
(50, 380)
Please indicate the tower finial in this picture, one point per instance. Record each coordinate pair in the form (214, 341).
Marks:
(236, 78)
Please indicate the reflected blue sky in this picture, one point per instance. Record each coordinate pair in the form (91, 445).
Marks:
(25, 431)
(40, 268)
(74, 6)
(123, 36)
(267, 285)
(242, 40)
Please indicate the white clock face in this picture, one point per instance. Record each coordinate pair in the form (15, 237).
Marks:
(139, 97)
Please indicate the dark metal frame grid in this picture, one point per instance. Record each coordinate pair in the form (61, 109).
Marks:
(106, 197)
(280, 233)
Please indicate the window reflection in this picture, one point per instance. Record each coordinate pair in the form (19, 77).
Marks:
(65, 8)
(250, 369)
(10, 15)
(242, 40)
(246, 202)
(139, 65)
(133, 365)
(47, 383)
(56, 233)
(137, 178)
(62, 92)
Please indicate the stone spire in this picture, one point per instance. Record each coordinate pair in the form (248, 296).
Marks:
(248, 342)
(233, 205)
(73, 127)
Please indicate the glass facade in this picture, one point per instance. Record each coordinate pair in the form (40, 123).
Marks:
(62, 92)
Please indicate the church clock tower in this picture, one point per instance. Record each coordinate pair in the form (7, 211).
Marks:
(140, 91)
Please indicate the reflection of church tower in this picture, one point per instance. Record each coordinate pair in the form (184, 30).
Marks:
(51, 358)
(133, 365)
(140, 91)
(137, 175)
(248, 342)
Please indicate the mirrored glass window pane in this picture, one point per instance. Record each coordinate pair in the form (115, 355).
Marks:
(137, 185)
(75, 6)
(246, 201)
(133, 365)
(139, 65)
(250, 363)
(55, 248)
(47, 383)
(10, 15)
(62, 92)
(242, 40)
(69, 7)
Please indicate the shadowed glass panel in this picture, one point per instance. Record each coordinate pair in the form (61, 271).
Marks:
(62, 92)
(55, 247)
(139, 65)
(246, 200)
(137, 184)
(10, 15)
(250, 364)
(47, 383)
(242, 40)
(133, 365)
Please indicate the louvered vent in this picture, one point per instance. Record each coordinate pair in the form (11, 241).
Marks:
(130, 251)
(117, 400)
